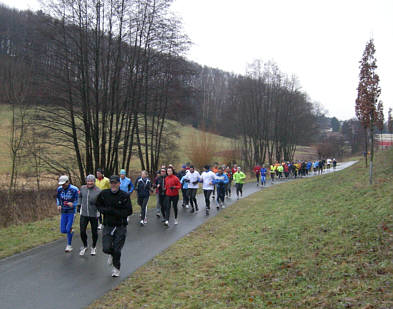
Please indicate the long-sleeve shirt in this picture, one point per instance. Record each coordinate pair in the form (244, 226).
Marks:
(115, 206)
(103, 183)
(207, 179)
(70, 194)
(221, 179)
(239, 177)
(193, 179)
(126, 185)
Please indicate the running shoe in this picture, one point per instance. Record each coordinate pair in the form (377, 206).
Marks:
(196, 208)
(68, 248)
(100, 226)
(145, 221)
(82, 251)
(166, 223)
(207, 212)
(158, 214)
(93, 251)
(218, 207)
(115, 272)
(176, 222)
(187, 206)
(192, 210)
(223, 206)
(142, 223)
(110, 260)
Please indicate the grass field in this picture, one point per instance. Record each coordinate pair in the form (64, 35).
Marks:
(323, 242)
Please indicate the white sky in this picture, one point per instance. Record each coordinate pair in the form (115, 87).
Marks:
(321, 42)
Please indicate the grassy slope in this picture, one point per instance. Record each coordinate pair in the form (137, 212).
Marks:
(323, 242)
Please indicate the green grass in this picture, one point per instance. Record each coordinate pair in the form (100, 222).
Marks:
(323, 242)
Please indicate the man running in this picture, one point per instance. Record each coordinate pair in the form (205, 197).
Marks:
(185, 192)
(143, 187)
(172, 187)
(220, 180)
(207, 179)
(272, 172)
(116, 206)
(181, 175)
(67, 200)
(263, 175)
(160, 185)
(102, 183)
(193, 178)
(239, 178)
(228, 190)
(257, 171)
(88, 213)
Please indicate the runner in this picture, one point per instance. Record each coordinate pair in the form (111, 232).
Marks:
(257, 171)
(160, 185)
(263, 175)
(280, 170)
(239, 177)
(158, 206)
(88, 213)
(215, 171)
(172, 187)
(102, 183)
(234, 169)
(126, 184)
(67, 200)
(334, 163)
(328, 163)
(116, 206)
(228, 189)
(143, 187)
(184, 192)
(207, 179)
(193, 178)
(272, 172)
(286, 170)
(220, 180)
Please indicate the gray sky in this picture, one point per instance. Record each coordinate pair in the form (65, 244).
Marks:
(321, 42)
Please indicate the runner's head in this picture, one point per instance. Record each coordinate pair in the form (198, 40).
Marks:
(100, 173)
(206, 167)
(183, 167)
(163, 172)
(192, 169)
(238, 168)
(144, 174)
(115, 183)
(122, 173)
(220, 170)
(169, 171)
(90, 181)
(64, 181)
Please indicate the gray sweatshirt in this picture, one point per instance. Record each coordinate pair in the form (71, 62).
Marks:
(87, 201)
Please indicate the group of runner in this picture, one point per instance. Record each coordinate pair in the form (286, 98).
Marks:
(285, 170)
(105, 203)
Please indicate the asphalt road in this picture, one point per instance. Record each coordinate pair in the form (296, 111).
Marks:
(47, 277)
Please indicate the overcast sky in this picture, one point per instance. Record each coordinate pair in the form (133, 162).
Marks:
(321, 42)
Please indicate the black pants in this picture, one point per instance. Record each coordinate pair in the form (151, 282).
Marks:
(171, 200)
(186, 198)
(193, 200)
(142, 201)
(221, 193)
(84, 221)
(161, 199)
(258, 176)
(239, 189)
(207, 194)
(228, 188)
(113, 238)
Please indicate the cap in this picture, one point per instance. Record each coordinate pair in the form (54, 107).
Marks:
(63, 179)
(207, 167)
(183, 166)
(122, 172)
(114, 178)
(90, 178)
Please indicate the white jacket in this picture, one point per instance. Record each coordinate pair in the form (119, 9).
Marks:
(208, 178)
(192, 177)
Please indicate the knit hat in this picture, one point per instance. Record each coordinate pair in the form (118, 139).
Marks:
(90, 178)
(122, 172)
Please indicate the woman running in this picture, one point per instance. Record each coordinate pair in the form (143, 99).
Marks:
(143, 188)
(172, 186)
(88, 213)
(239, 177)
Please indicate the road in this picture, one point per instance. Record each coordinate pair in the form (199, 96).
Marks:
(47, 277)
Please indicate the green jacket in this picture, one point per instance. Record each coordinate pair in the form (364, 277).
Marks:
(239, 177)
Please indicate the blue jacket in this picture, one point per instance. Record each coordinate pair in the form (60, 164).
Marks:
(221, 180)
(143, 187)
(184, 183)
(126, 185)
(67, 195)
(263, 171)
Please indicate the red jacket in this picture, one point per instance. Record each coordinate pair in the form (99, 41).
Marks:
(172, 181)
(257, 169)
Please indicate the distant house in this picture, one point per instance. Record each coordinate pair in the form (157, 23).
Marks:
(384, 141)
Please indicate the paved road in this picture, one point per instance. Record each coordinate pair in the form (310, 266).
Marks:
(46, 277)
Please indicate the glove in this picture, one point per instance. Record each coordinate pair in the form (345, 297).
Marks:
(194, 182)
(186, 180)
(78, 208)
(173, 188)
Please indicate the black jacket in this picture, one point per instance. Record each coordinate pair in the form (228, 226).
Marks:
(115, 207)
(160, 180)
